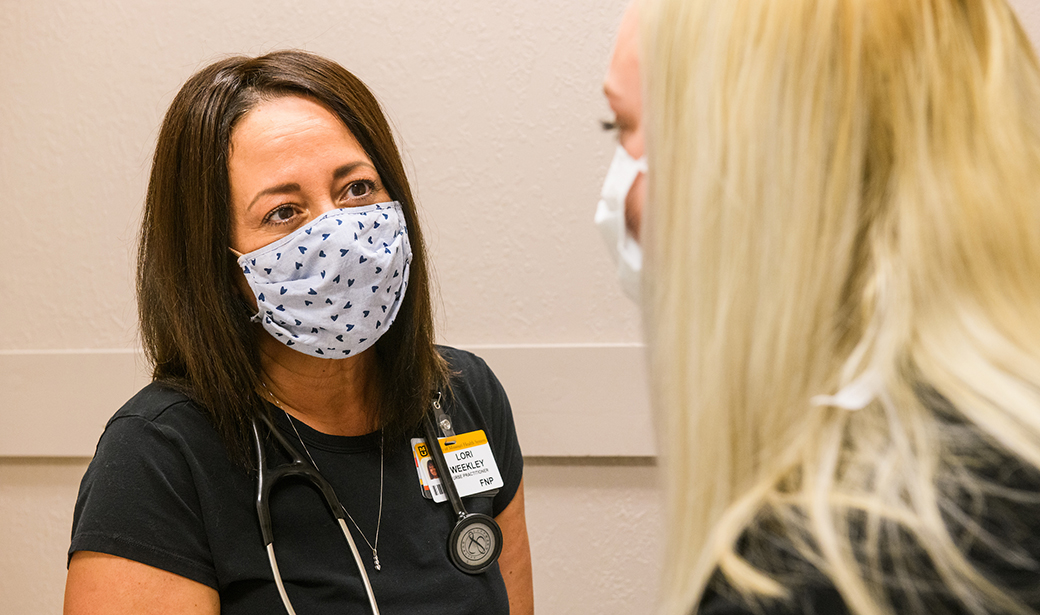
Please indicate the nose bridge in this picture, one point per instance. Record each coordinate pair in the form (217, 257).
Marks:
(324, 206)
(322, 202)
(316, 188)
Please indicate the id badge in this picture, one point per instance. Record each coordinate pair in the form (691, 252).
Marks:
(470, 461)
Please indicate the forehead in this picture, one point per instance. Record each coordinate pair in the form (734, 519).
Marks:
(286, 135)
(622, 81)
(284, 115)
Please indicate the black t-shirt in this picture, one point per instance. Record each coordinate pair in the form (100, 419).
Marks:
(162, 491)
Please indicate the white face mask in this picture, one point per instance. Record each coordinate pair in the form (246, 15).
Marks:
(331, 288)
(610, 218)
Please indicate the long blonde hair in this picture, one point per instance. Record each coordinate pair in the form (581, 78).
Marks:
(839, 190)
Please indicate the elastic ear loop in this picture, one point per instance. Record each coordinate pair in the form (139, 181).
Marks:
(854, 395)
(258, 316)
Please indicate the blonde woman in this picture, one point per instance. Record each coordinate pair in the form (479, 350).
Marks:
(842, 303)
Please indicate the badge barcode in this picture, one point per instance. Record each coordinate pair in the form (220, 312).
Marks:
(437, 489)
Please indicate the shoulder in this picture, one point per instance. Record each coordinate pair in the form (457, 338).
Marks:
(766, 546)
(141, 497)
(476, 400)
(995, 498)
(159, 427)
(809, 599)
(153, 403)
(158, 437)
(472, 383)
(161, 410)
(992, 517)
(463, 362)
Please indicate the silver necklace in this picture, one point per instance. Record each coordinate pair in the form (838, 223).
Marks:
(374, 546)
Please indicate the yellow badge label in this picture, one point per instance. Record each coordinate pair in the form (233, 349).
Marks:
(461, 441)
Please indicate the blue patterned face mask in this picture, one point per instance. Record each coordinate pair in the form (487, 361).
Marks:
(331, 288)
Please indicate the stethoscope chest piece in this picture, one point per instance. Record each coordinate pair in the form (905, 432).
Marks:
(475, 543)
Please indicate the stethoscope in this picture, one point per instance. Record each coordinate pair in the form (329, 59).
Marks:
(473, 546)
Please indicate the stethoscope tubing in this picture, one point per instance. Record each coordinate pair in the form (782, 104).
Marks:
(300, 467)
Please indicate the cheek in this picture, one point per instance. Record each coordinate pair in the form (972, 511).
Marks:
(633, 141)
(238, 239)
(634, 206)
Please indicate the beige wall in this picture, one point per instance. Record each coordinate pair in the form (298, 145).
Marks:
(496, 104)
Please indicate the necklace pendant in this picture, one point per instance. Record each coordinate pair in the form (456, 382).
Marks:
(375, 559)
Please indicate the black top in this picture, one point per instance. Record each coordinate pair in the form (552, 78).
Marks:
(997, 528)
(162, 491)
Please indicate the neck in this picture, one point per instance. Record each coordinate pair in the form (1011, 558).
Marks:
(339, 397)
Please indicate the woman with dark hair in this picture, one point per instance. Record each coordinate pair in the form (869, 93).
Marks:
(284, 303)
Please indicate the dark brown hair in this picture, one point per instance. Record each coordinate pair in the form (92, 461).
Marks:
(194, 326)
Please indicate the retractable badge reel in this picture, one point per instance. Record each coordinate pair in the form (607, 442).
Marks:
(476, 542)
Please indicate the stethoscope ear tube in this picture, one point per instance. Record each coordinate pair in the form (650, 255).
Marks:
(263, 489)
(476, 541)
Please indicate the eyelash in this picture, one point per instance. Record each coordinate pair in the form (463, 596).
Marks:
(608, 125)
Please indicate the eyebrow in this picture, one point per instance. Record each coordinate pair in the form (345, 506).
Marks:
(289, 187)
(279, 189)
(347, 169)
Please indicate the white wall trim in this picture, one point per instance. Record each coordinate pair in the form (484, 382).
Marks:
(568, 399)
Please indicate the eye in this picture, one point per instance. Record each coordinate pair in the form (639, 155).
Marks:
(608, 125)
(282, 214)
(359, 190)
